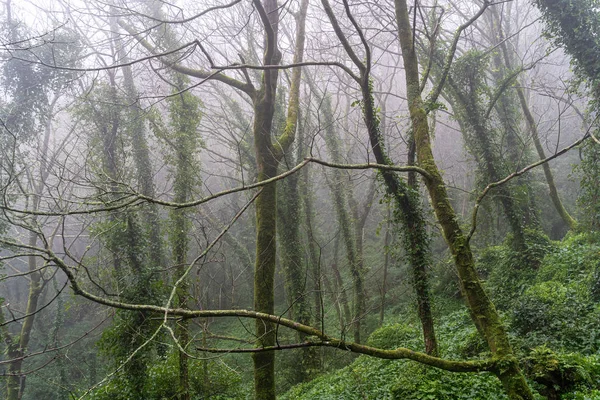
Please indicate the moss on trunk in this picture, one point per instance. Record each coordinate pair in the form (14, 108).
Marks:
(480, 305)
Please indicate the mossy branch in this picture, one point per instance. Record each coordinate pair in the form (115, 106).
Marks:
(291, 122)
(245, 87)
(437, 89)
(382, 167)
(514, 175)
(324, 340)
(401, 353)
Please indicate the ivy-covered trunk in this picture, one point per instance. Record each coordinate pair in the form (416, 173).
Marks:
(554, 196)
(407, 210)
(533, 131)
(17, 346)
(463, 88)
(141, 151)
(184, 119)
(408, 214)
(481, 307)
(126, 245)
(575, 24)
(507, 109)
(290, 220)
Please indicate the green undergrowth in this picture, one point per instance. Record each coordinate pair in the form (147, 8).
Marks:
(563, 375)
(373, 378)
(561, 307)
(508, 272)
(209, 379)
(549, 299)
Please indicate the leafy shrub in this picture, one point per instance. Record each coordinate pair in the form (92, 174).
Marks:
(583, 395)
(396, 335)
(563, 316)
(208, 379)
(575, 259)
(557, 374)
(509, 272)
(373, 378)
(213, 380)
(548, 296)
(538, 245)
(418, 382)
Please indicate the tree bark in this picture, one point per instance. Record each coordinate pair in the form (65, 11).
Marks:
(407, 210)
(470, 116)
(268, 156)
(184, 110)
(341, 201)
(17, 346)
(481, 307)
(554, 196)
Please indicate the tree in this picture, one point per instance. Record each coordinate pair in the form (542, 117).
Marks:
(29, 116)
(482, 309)
(573, 26)
(407, 210)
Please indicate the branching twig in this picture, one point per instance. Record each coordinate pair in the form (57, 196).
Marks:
(514, 175)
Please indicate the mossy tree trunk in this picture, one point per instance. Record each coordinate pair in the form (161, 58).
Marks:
(480, 305)
(463, 89)
(532, 128)
(313, 256)
(297, 282)
(126, 245)
(507, 110)
(141, 156)
(184, 118)
(264, 269)
(386, 262)
(407, 210)
(574, 25)
(268, 155)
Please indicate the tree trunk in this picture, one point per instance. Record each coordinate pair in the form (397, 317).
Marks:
(268, 156)
(341, 199)
(294, 266)
(407, 210)
(185, 116)
(532, 126)
(477, 300)
(386, 261)
(470, 115)
(508, 113)
(420, 275)
(17, 347)
(266, 224)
